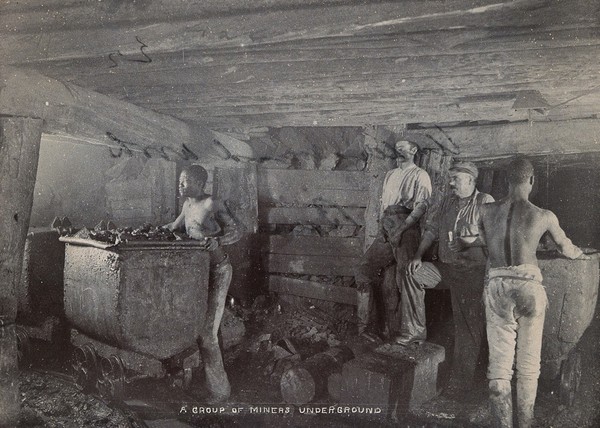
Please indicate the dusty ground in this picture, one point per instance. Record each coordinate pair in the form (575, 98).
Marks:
(53, 401)
(49, 399)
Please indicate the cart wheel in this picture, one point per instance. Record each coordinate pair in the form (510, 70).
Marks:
(111, 382)
(85, 367)
(570, 378)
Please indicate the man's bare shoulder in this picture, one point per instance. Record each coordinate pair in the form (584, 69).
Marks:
(547, 215)
(215, 202)
(535, 215)
(186, 205)
(537, 211)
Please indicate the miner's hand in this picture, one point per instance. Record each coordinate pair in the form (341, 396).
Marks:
(587, 256)
(414, 265)
(457, 245)
(212, 244)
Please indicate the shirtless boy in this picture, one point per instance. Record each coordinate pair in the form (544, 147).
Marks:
(515, 300)
(206, 218)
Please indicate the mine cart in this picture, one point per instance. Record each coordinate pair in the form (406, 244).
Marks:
(572, 289)
(137, 309)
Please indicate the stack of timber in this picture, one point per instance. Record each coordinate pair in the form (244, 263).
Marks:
(324, 200)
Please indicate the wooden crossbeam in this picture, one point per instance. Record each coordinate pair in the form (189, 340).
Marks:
(312, 245)
(314, 187)
(345, 216)
(311, 265)
(320, 291)
(127, 129)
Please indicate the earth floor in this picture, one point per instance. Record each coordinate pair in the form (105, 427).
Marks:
(51, 399)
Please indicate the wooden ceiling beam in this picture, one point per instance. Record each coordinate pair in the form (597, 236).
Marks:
(399, 47)
(98, 119)
(465, 86)
(233, 63)
(92, 29)
(496, 141)
(327, 63)
(29, 15)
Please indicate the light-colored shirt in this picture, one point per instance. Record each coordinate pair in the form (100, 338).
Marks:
(461, 221)
(407, 187)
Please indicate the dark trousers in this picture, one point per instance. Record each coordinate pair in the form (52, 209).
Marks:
(369, 273)
(466, 288)
(217, 382)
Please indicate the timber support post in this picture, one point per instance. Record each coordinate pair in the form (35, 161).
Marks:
(379, 161)
(19, 149)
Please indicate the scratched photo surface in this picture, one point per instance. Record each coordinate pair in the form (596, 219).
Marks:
(291, 302)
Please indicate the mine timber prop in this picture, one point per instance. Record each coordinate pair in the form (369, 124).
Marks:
(40, 310)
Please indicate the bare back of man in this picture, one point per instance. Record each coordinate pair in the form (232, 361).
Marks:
(515, 299)
(513, 229)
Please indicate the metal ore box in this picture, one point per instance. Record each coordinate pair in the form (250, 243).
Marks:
(572, 289)
(145, 297)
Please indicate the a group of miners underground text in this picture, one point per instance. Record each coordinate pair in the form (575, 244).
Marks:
(487, 258)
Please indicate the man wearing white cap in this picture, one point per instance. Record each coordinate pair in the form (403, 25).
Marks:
(404, 200)
(461, 266)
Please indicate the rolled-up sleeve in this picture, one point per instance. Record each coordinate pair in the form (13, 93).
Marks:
(423, 189)
(487, 199)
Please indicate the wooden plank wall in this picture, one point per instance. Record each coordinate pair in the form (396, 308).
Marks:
(298, 188)
(327, 203)
(312, 215)
(313, 255)
(331, 199)
(236, 186)
(147, 198)
(314, 198)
